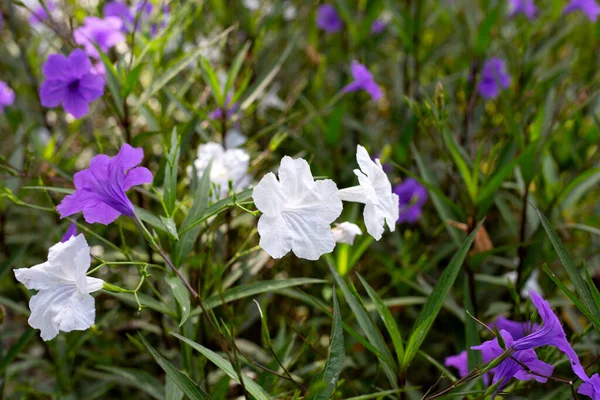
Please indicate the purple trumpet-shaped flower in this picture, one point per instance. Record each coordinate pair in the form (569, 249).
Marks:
(526, 7)
(412, 197)
(363, 80)
(328, 19)
(377, 27)
(588, 7)
(119, 10)
(100, 189)
(226, 111)
(509, 368)
(128, 17)
(105, 33)
(550, 333)
(7, 95)
(39, 13)
(494, 77)
(70, 232)
(591, 387)
(70, 82)
(460, 362)
(516, 329)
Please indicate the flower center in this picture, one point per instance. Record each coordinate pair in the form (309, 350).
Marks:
(74, 86)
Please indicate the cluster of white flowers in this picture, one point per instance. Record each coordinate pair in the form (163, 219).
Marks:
(298, 211)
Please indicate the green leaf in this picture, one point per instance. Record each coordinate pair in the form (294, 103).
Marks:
(131, 80)
(181, 295)
(578, 187)
(235, 67)
(154, 221)
(172, 391)
(571, 296)
(112, 81)
(136, 378)
(367, 325)
(388, 319)
(458, 155)
(171, 169)
(572, 270)
(485, 29)
(184, 383)
(15, 349)
(252, 289)
(199, 205)
(436, 300)
(328, 377)
(253, 388)
(50, 189)
(210, 78)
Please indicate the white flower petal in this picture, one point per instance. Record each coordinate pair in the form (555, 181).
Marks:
(375, 191)
(346, 232)
(63, 302)
(297, 211)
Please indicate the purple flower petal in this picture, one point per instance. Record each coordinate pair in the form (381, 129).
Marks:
(56, 67)
(52, 93)
(328, 19)
(75, 104)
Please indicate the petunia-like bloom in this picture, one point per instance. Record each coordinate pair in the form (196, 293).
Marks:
(120, 10)
(70, 82)
(69, 233)
(363, 80)
(509, 368)
(494, 77)
(377, 27)
(412, 196)
(460, 362)
(63, 302)
(7, 95)
(297, 211)
(375, 191)
(328, 19)
(104, 33)
(526, 7)
(591, 387)
(588, 7)
(346, 232)
(100, 189)
(39, 13)
(226, 165)
(550, 333)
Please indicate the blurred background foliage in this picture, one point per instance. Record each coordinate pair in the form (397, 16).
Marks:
(535, 146)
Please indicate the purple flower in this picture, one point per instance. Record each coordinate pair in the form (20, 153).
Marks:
(127, 17)
(227, 111)
(39, 13)
(70, 81)
(493, 78)
(589, 7)
(516, 329)
(412, 197)
(105, 33)
(71, 231)
(377, 27)
(591, 387)
(328, 19)
(363, 80)
(121, 11)
(460, 362)
(550, 333)
(526, 7)
(100, 189)
(7, 95)
(509, 368)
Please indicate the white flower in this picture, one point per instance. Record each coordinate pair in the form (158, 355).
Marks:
(289, 11)
(297, 211)
(375, 191)
(63, 302)
(271, 100)
(234, 138)
(346, 232)
(227, 165)
(531, 283)
(251, 4)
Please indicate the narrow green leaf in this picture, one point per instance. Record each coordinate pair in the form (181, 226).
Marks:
(131, 80)
(253, 388)
(15, 349)
(210, 78)
(578, 187)
(458, 155)
(235, 67)
(592, 286)
(172, 391)
(136, 378)
(252, 289)
(436, 300)
(367, 325)
(181, 294)
(171, 169)
(330, 374)
(388, 319)
(199, 205)
(572, 270)
(184, 383)
(112, 81)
